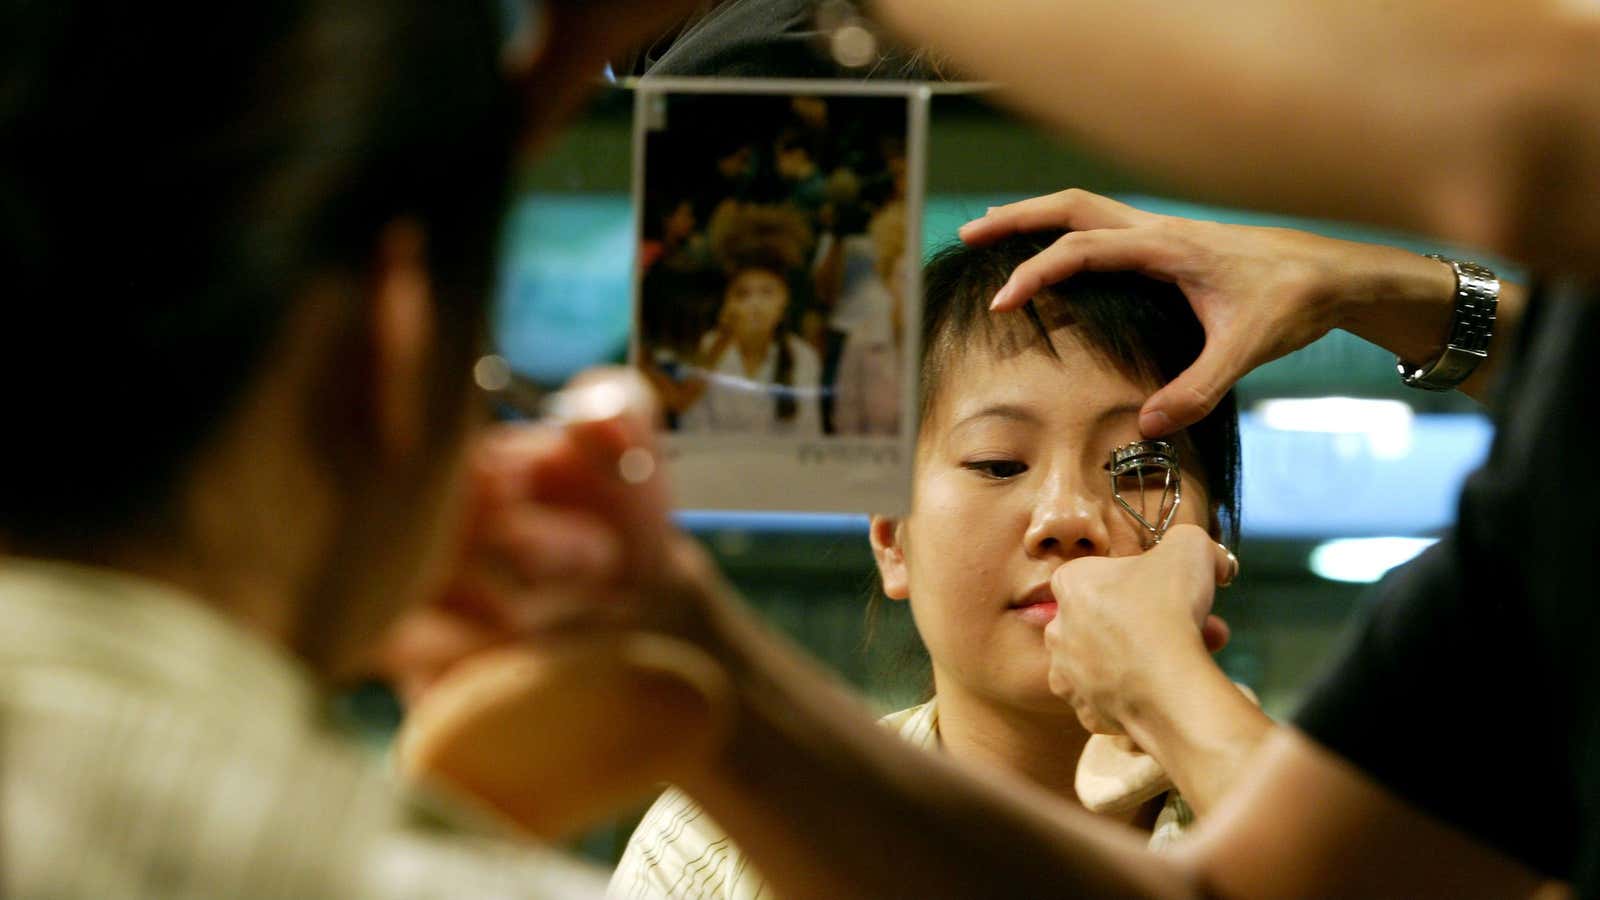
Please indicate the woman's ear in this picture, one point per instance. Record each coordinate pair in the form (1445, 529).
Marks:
(400, 307)
(888, 549)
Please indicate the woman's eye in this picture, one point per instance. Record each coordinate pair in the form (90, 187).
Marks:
(1149, 479)
(997, 468)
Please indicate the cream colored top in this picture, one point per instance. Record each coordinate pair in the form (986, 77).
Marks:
(678, 852)
(735, 402)
(151, 748)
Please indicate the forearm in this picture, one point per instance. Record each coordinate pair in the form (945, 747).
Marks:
(827, 804)
(1471, 120)
(1404, 303)
(1202, 729)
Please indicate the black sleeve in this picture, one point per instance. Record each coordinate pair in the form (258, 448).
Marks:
(1433, 699)
(1469, 689)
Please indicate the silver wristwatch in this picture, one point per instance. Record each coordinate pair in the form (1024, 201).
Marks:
(1472, 324)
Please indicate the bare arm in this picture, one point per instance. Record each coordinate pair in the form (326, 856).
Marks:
(1477, 121)
(1304, 823)
(1202, 730)
(1405, 304)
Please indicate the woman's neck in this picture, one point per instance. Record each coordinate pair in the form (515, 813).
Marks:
(1041, 747)
(753, 353)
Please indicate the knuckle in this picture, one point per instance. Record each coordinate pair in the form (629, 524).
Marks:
(1192, 539)
(1073, 196)
(1199, 397)
(1190, 533)
(1075, 241)
(1061, 686)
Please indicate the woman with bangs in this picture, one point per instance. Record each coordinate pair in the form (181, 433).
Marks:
(1020, 415)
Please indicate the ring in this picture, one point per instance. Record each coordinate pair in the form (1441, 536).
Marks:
(1233, 568)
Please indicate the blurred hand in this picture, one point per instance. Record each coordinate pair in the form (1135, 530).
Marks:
(567, 533)
(1127, 629)
(552, 680)
(1260, 293)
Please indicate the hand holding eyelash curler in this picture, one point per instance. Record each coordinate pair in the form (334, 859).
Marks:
(1143, 460)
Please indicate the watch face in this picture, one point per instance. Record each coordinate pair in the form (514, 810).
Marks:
(1147, 483)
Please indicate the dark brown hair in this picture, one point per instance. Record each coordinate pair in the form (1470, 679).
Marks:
(171, 175)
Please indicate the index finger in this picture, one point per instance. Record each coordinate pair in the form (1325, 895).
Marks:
(1073, 209)
(1091, 250)
(1199, 552)
(1196, 540)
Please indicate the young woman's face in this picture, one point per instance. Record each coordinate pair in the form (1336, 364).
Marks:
(754, 304)
(1010, 483)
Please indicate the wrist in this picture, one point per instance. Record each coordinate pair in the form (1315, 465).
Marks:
(1398, 300)
(1156, 711)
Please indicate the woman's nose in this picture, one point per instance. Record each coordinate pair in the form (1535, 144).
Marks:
(1068, 522)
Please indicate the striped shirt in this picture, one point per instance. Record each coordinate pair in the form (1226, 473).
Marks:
(678, 852)
(149, 747)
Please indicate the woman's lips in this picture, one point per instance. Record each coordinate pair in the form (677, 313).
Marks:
(1037, 607)
(1037, 613)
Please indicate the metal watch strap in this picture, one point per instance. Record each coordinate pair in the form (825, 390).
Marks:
(1471, 327)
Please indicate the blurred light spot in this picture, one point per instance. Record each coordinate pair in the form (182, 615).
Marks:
(1386, 424)
(1365, 560)
(854, 46)
(594, 402)
(492, 373)
(636, 465)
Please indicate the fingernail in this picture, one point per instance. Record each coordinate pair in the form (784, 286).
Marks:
(1000, 297)
(1233, 568)
(1155, 424)
(971, 222)
(636, 465)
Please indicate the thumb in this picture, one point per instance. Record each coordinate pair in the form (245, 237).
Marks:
(1196, 391)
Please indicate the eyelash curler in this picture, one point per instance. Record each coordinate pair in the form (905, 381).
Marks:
(1148, 459)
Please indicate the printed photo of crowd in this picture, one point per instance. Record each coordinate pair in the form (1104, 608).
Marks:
(773, 256)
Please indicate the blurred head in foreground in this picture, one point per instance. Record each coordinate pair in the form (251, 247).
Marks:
(247, 255)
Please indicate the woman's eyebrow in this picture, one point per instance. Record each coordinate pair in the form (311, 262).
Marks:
(1008, 411)
(1014, 412)
(1116, 412)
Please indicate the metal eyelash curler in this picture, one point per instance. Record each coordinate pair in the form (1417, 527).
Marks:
(1141, 460)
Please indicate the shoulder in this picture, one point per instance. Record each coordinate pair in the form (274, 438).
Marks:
(138, 794)
(678, 851)
(918, 725)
